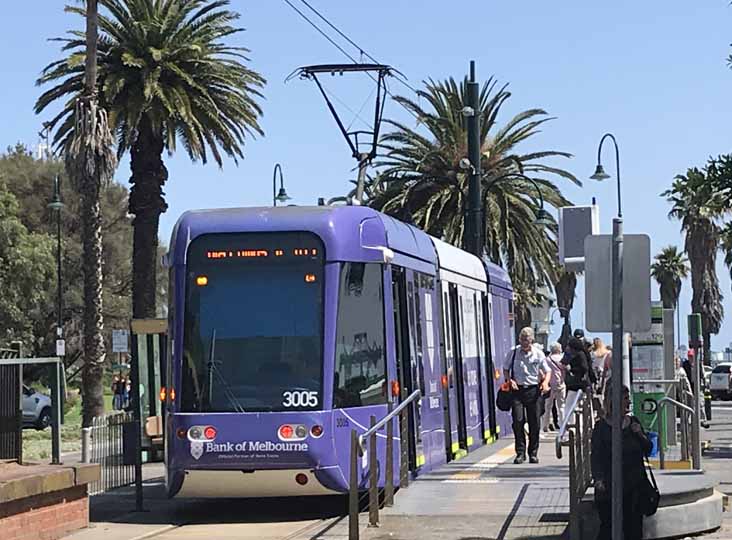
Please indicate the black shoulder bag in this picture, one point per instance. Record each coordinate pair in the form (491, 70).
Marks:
(649, 496)
(505, 397)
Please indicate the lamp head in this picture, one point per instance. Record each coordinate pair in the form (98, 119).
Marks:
(543, 218)
(600, 173)
(282, 196)
(56, 203)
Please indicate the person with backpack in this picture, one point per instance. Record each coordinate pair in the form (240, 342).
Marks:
(577, 365)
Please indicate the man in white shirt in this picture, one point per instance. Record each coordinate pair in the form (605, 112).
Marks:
(528, 373)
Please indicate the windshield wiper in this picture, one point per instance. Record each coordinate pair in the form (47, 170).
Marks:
(213, 370)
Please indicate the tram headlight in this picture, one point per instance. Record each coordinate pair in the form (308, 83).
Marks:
(301, 432)
(195, 433)
(316, 431)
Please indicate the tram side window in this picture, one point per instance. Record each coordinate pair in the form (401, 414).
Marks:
(360, 362)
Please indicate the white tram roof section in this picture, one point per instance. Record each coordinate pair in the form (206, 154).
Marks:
(458, 266)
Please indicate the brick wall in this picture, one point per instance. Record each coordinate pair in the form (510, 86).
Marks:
(45, 517)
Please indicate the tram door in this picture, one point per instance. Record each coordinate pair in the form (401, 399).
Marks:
(406, 358)
(457, 347)
(491, 362)
(450, 404)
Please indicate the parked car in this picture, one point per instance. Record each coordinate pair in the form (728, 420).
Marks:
(707, 376)
(721, 381)
(36, 409)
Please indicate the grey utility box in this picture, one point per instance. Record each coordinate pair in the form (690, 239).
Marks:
(575, 224)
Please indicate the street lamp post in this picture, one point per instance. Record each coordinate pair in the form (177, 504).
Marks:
(474, 219)
(619, 368)
(56, 206)
(282, 194)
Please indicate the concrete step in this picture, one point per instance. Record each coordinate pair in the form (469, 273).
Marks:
(689, 505)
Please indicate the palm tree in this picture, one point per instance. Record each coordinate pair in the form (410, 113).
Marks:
(420, 177)
(166, 77)
(669, 269)
(699, 204)
(91, 161)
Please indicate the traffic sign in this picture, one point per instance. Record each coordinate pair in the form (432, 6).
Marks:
(120, 340)
(636, 283)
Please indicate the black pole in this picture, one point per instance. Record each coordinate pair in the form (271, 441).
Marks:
(59, 305)
(473, 225)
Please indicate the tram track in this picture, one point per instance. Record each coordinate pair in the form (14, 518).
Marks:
(271, 528)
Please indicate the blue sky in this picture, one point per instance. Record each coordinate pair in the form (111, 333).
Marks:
(654, 73)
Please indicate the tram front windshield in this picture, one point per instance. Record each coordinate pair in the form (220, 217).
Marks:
(253, 323)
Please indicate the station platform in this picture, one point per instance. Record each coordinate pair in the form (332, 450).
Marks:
(483, 496)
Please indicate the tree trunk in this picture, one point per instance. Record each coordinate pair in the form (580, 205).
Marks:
(147, 202)
(94, 348)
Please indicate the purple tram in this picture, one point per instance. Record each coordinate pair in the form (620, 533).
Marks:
(289, 327)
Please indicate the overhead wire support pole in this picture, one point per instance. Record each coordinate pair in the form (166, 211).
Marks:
(473, 225)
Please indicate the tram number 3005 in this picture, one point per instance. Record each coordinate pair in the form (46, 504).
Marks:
(300, 399)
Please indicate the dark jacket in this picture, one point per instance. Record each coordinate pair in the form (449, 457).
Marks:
(635, 447)
(579, 367)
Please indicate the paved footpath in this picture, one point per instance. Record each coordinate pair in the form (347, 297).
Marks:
(483, 496)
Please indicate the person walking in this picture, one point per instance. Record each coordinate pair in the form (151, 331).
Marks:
(599, 357)
(528, 373)
(577, 366)
(116, 392)
(636, 446)
(557, 389)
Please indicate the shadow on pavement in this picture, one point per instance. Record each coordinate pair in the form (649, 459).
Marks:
(118, 506)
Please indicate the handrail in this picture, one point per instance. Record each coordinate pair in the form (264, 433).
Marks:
(565, 423)
(381, 423)
(358, 448)
(662, 402)
(684, 437)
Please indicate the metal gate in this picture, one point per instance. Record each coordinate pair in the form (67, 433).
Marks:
(11, 414)
(110, 441)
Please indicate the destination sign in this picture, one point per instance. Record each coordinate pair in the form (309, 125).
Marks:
(259, 253)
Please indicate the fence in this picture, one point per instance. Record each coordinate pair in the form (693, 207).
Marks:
(110, 442)
(11, 433)
(576, 432)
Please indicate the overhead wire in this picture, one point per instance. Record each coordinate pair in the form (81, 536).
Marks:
(346, 54)
(354, 44)
(326, 36)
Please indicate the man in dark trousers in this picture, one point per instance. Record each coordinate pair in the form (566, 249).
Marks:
(528, 373)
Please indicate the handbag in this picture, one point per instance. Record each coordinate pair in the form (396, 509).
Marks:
(649, 496)
(505, 397)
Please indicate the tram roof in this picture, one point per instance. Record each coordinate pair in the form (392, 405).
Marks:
(497, 276)
(460, 266)
(350, 233)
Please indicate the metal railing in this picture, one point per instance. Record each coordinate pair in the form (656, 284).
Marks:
(576, 432)
(367, 442)
(685, 412)
(109, 441)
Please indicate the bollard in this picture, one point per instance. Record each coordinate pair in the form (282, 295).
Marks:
(353, 489)
(373, 479)
(86, 445)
